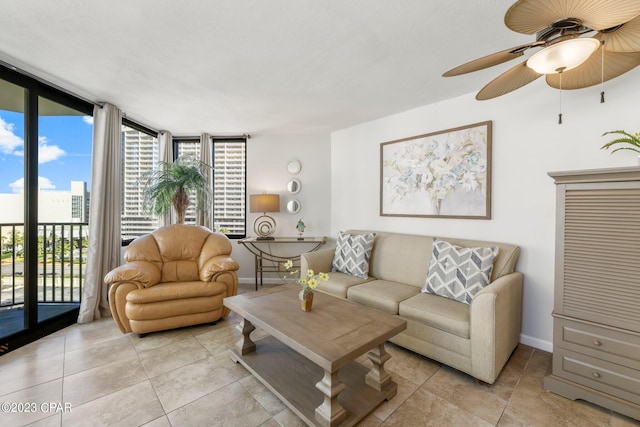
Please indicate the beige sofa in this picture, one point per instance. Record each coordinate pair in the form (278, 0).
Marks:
(475, 338)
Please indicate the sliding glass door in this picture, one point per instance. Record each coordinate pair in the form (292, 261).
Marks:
(45, 163)
(64, 172)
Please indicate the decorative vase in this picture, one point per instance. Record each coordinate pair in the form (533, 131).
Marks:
(436, 206)
(306, 300)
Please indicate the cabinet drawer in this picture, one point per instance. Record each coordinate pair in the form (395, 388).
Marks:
(598, 374)
(614, 345)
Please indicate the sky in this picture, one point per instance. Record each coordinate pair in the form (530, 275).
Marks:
(64, 151)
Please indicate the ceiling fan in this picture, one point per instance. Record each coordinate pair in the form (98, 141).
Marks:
(581, 42)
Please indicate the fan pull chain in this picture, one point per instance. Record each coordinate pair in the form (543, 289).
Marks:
(560, 70)
(602, 70)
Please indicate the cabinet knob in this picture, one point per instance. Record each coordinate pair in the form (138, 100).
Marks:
(597, 343)
(596, 375)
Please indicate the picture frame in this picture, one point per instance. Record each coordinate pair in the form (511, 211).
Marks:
(444, 174)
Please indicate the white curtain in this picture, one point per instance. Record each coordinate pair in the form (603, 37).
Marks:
(165, 143)
(204, 218)
(104, 211)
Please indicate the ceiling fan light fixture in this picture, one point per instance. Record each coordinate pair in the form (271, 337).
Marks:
(563, 56)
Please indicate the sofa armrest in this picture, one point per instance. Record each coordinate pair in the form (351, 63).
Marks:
(215, 265)
(496, 321)
(318, 261)
(140, 272)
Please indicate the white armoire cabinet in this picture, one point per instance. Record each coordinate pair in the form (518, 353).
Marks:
(596, 314)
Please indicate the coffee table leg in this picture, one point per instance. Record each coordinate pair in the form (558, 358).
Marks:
(330, 413)
(244, 344)
(377, 377)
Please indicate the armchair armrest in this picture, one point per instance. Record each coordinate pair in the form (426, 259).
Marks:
(317, 261)
(142, 272)
(215, 265)
(222, 269)
(496, 321)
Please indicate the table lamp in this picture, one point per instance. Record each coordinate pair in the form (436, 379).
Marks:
(264, 226)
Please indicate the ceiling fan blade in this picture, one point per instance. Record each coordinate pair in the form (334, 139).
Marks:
(623, 39)
(512, 79)
(490, 60)
(531, 16)
(590, 72)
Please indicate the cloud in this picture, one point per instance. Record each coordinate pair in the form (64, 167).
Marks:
(9, 141)
(88, 120)
(43, 184)
(48, 153)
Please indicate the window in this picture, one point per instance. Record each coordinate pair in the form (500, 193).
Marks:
(229, 189)
(229, 178)
(139, 156)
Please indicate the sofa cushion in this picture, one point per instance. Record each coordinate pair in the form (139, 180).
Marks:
(352, 254)
(438, 312)
(169, 313)
(402, 258)
(381, 294)
(459, 273)
(338, 283)
(172, 291)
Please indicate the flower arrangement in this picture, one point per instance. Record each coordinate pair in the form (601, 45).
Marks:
(310, 281)
(627, 138)
(438, 166)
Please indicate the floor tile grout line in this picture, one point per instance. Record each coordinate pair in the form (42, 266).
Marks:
(205, 395)
(257, 401)
(149, 378)
(112, 392)
(515, 387)
(38, 383)
(64, 364)
(409, 396)
(97, 367)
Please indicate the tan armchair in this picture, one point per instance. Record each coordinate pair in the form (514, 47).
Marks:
(176, 276)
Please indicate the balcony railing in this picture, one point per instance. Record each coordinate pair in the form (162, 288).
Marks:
(62, 254)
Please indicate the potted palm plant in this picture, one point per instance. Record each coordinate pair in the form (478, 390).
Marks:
(172, 184)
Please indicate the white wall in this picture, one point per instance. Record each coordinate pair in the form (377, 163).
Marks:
(267, 157)
(527, 143)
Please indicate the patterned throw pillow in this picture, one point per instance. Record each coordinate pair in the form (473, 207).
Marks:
(352, 254)
(459, 273)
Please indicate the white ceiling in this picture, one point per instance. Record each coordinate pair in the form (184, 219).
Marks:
(256, 66)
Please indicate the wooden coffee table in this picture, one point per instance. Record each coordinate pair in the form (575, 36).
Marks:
(308, 360)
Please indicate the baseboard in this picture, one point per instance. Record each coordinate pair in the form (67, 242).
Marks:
(537, 343)
(266, 281)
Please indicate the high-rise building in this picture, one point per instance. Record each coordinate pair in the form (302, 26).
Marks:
(139, 157)
(79, 202)
(229, 163)
(229, 172)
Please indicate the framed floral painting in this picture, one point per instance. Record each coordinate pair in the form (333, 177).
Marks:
(445, 174)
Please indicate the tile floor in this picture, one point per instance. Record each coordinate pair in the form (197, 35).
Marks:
(93, 375)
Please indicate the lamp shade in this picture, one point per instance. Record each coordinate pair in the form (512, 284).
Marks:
(264, 203)
(563, 56)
